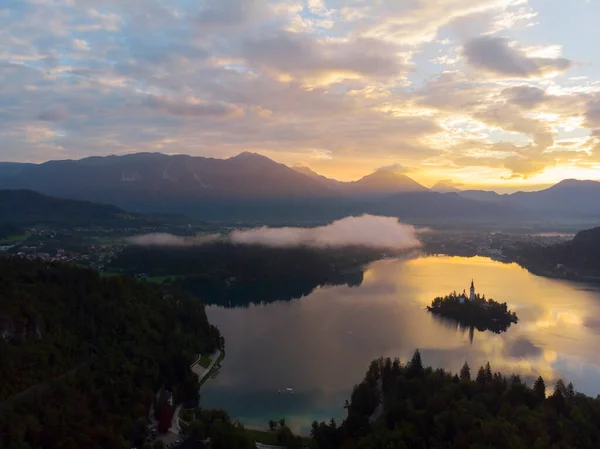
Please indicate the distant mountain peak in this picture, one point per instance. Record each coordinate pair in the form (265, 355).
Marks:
(305, 170)
(575, 183)
(248, 155)
(445, 186)
(388, 181)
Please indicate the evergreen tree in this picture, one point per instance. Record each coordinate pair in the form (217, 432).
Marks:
(488, 372)
(570, 392)
(415, 366)
(560, 387)
(465, 372)
(539, 388)
(480, 379)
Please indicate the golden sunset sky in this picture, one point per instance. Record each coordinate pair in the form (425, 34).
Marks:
(499, 94)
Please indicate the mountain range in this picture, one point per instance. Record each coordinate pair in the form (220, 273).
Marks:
(25, 207)
(252, 187)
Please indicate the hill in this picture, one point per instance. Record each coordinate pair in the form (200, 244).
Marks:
(8, 169)
(25, 207)
(568, 197)
(381, 182)
(251, 187)
(83, 356)
(576, 259)
(412, 406)
(444, 186)
(237, 275)
(330, 183)
(153, 178)
(384, 182)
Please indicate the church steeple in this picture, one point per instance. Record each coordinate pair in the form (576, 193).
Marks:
(472, 295)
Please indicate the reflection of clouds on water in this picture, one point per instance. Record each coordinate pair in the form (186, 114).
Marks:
(323, 343)
(529, 313)
(520, 348)
(592, 323)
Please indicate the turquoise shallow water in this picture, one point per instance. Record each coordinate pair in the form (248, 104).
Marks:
(321, 345)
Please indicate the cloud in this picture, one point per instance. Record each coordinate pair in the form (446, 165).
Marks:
(193, 108)
(163, 239)
(525, 96)
(592, 113)
(522, 348)
(321, 62)
(54, 114)
(232, 13)
(80, 44)
(368, 230)
(348, 81)
(509, 118)
(496, 56)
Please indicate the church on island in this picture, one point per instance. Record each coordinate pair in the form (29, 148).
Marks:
(462, 298)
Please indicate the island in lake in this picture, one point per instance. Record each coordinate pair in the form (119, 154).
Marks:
(474, 311)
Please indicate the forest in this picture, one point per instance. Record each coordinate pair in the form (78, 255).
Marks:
(410, 406)
(577, 258)
(83, 356)
(27, 208)
(237, 275)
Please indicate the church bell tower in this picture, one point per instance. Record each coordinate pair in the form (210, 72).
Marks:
(472, 295)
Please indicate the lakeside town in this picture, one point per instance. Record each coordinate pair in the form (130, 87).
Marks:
(96, 247)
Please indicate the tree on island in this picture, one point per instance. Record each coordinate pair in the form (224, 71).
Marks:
(483, 314)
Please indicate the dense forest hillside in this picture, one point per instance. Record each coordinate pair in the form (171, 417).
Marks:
(228, 274)
(412, 407)
(27, 208)
(83, 355)
(578, 258)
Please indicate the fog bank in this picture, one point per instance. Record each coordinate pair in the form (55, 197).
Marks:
(163, 239)
(367, 230)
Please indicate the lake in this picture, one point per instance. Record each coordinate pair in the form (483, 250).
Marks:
(321, 345)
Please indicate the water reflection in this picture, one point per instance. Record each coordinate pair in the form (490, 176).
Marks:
(243, 294)
(322, 344)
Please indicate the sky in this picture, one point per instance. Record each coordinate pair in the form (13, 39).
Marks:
(501, 94)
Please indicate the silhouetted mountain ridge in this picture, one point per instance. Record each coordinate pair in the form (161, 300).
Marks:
(255, 188)
(25, 207)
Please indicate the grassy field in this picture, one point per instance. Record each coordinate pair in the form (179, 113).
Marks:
(160, 279)
(13, 239)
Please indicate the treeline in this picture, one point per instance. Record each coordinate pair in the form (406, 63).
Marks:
(236, 275)
(434, 409)
(26, 207)
(578, 257)
(9, 230)
(83, 356)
